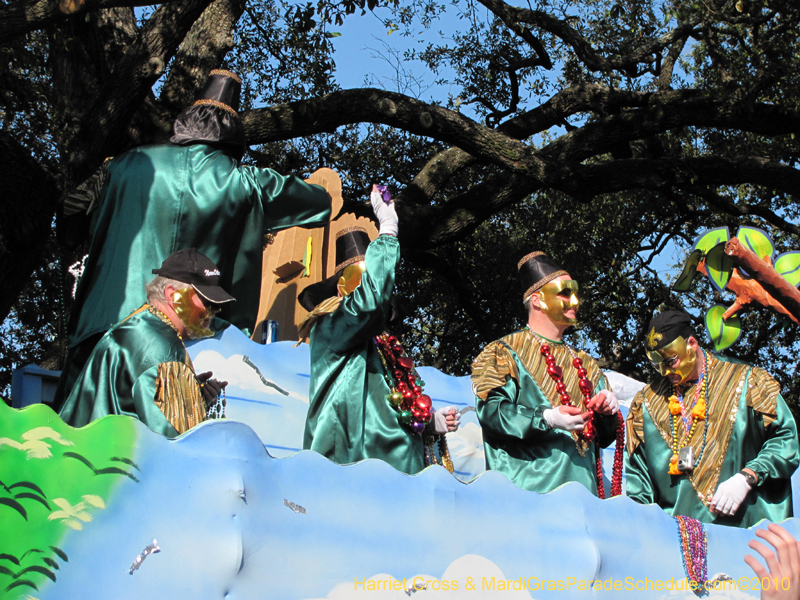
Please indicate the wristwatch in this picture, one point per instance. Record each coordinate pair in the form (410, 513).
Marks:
(749, 478)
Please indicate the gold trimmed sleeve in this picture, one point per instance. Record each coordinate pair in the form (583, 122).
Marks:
(492, 369)
(762, 394)
(634, 424)
(178, 396)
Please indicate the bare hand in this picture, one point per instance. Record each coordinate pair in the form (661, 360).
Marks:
(211, 388)
(784, 569)
(446, 419)
(453, 419)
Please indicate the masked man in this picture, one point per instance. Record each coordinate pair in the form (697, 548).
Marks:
(191, 192)
(141, 368)
(364, 399)
(709, 438)
(535, 393)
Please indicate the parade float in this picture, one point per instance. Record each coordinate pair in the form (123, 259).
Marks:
(235, 508)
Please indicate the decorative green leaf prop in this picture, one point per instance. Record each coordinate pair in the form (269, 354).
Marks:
(705, 242)
(723, 334)
(758, 241)
(787, 265)
(711, 238)
(684, 281)
(719, 267)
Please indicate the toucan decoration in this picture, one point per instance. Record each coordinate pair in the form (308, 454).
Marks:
(743, 265)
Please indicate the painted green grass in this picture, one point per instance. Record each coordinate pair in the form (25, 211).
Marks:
(53, 480)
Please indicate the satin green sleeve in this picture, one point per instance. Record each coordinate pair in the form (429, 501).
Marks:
(289, 201)
(362, 314)
(501, 415)
(638, 486)
(779, 456)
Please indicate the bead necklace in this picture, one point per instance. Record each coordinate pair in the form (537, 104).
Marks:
(699, 412)
(406, 397)
(414, 408)
(694, 551)
(589, 432)
(217, 409)
(557, 374)
(444, 451)
(165, 319)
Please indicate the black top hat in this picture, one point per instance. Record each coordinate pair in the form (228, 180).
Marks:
(192, 267)
(222, 90)
(667, 326)
(351, 247)
(213, 119)
(535, 270)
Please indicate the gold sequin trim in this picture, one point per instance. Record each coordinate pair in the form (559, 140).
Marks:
(217, 104)
(227, 73)
(541, 283)
(341, 232)
(527, 257)
(348, 262)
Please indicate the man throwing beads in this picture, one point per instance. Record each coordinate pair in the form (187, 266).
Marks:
(365, 398)
(543, 426)
(709, 437)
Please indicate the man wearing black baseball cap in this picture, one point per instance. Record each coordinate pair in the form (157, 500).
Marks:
(141, 368)
(709, 437)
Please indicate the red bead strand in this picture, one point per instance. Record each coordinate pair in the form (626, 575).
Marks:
(589, 432)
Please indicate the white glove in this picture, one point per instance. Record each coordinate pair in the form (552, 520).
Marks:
(561, 420)
(729, 495)
(446, 419)
(386, 213)
(610, 401)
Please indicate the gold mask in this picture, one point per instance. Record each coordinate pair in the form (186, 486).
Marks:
(557, 297)
(351, 278)
(676, 357)
(195, 318)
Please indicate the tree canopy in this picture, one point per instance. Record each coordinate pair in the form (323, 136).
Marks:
(602, 132)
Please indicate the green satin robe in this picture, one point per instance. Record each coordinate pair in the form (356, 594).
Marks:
(519, 443)
(349, 417)
(162, 198)
(120, 376)
(771, 452)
